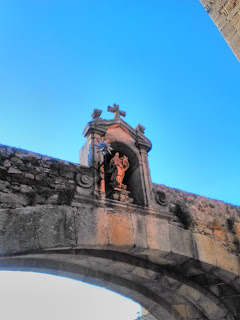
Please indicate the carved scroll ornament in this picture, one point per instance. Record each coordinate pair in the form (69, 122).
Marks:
(161, 198)
(84, 180)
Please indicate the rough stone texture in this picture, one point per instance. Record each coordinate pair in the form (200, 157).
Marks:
(226, 15)
(120, 230)
(179, 258)
(31, 179)
(213, 218)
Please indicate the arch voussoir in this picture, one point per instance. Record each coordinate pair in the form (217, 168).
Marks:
(169, 291)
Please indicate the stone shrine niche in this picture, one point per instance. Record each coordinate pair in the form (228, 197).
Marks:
(132, 175)
(118, 155)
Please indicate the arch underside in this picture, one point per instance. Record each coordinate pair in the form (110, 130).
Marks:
(176, 291)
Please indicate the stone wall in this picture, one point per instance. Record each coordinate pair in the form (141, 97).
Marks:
(216, 219)
(28, 179)
(226, 15)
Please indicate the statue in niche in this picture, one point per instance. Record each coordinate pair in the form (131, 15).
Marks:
(118, 166)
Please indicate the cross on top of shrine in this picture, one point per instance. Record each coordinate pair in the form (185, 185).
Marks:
(115, 109)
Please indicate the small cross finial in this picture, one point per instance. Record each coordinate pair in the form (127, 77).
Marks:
(115, 109)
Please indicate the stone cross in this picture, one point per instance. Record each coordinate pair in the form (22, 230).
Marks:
(115, 109)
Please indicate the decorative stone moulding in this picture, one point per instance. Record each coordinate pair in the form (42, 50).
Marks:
(84, 180)
(161, 198)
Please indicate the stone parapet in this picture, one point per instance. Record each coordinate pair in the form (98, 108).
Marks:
(216, 219)
(28, 179)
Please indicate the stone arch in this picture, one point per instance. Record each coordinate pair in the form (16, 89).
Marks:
(53, 219)
(163, 291)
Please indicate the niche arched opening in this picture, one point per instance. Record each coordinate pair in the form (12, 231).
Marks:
(133, 177)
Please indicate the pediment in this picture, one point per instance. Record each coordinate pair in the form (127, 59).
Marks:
(119, 130)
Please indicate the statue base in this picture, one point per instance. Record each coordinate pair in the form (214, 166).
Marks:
(121, 195)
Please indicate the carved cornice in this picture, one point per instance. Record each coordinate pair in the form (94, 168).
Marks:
(94, 127)
(100, 126)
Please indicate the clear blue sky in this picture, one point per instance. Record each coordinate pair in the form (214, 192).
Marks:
(164, 62)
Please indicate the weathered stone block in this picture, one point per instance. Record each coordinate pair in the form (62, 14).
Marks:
(12, 199)
(54, 226)
(180, 241)
(144, 273)
(205, 249)
(86, 223)
(182, 310)
(140, 234)
(157, 235)
(161, 312)
(210, 307)
(120, 229)
(17, 230)
(193, 312)
(102, 231)
(227, 262)
(190, 293)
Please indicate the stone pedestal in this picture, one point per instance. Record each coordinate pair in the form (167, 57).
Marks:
(121, 195)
